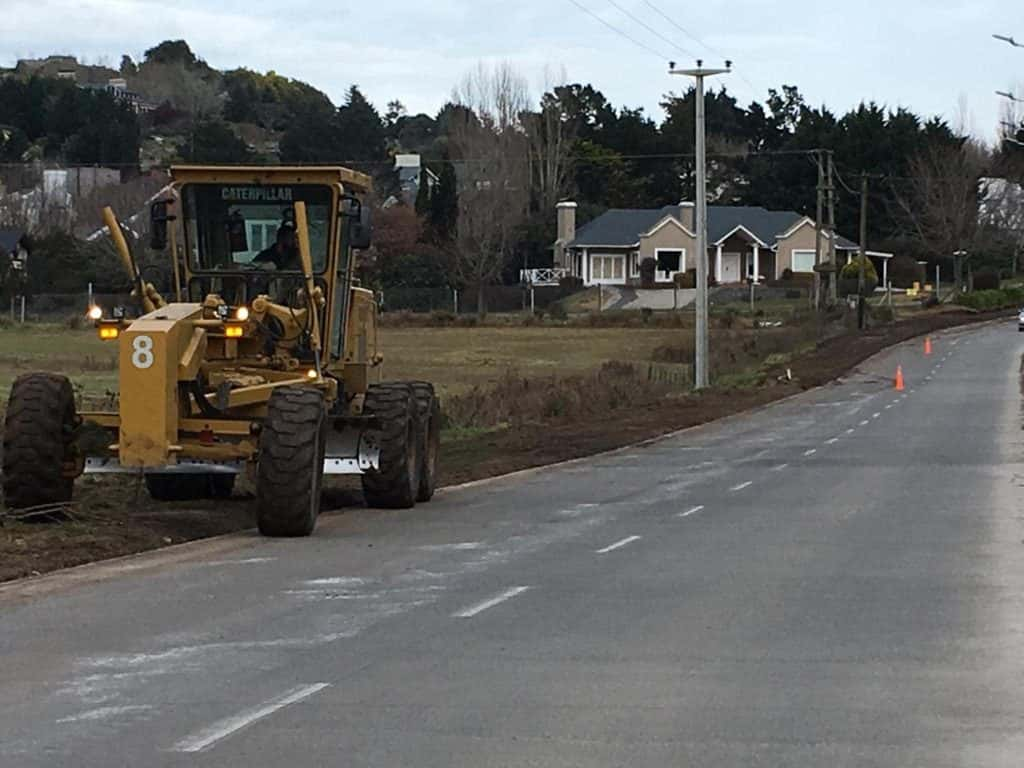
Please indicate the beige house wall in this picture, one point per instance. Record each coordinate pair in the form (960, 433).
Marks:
(669, 236)
(802, 239)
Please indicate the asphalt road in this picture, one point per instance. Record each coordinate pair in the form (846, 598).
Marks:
(835, 580)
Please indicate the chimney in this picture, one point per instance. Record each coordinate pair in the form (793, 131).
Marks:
(566, 230)
(686, 214)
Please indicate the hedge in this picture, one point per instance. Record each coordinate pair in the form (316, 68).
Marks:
(997, 299)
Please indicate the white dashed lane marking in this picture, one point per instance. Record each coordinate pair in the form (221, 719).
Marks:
(221, 729)
(618, 545)
(480, 607)
(741, 486)
(810, 452)
(693, 511)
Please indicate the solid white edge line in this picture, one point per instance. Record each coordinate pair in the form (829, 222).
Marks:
(694, 511)
(501, 597)
(221, 729)
(741, 486)
(618, 545)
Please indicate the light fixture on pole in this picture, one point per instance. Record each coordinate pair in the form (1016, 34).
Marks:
(700, 368)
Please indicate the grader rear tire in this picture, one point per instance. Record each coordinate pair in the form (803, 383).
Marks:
(396, 483)
(290, 470)
(39, 434)
(430, 433)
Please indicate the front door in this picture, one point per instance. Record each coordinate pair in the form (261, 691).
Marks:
(730, 268)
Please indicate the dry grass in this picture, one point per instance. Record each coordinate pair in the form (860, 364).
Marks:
(458, 359)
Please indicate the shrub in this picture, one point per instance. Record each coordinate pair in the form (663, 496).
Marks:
(986, 280)
(686, 280)
(787, 274)
(904, 271)
(570, 284)
(849, 277)
(466, 321)
(440, 318)
(992, 299)
(646, 313)
(557, 312)
(648, 272)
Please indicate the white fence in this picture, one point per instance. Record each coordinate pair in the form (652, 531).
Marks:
(543, 276)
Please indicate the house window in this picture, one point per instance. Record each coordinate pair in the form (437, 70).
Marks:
(634, 265)
(608, 268)
(803, 261)
(670, 262)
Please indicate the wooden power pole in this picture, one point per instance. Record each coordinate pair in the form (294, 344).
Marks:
(863, 249)
(817, 227)
(830, 188)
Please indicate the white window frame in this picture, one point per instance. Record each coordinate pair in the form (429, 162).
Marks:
(607, 263)
(803, 252)
(682, 264)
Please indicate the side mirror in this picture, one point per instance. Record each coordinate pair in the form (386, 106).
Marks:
(158, 218)
(361, 232)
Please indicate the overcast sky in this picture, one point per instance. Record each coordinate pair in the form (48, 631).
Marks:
(928, 55)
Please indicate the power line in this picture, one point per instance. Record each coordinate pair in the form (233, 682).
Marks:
(649, 28)
(682, 29)
(619, 32)
(698, 41)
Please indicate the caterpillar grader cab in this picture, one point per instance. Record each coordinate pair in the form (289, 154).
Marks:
(264, 359)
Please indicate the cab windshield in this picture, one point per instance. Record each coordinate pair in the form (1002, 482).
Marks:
(243, 227)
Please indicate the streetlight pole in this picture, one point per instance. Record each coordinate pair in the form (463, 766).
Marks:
(700, 368)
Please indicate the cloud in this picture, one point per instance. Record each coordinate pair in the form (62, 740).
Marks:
(919, 53)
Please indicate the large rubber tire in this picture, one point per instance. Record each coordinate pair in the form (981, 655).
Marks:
(290, 472)
(39, 436)
(430, 437)
(168, 486)
(396, 483)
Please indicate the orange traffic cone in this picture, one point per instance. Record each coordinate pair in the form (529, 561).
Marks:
(899, 378)
(927, 345)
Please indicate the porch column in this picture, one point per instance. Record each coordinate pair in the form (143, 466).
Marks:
(718, 264)
(757, 262)
(885, 273)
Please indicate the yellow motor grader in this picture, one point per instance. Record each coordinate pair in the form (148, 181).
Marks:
(265, 361)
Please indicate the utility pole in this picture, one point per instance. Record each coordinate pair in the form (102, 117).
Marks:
(831, 188)
(817, 230)
(863, 249)
(700, 367)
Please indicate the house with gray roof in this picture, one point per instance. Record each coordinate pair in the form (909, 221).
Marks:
(744, 243)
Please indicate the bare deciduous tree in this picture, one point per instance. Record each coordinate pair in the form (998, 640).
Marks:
(489, 146)
(940, 199)
(552, 135)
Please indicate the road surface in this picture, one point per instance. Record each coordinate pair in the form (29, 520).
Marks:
(834, 580)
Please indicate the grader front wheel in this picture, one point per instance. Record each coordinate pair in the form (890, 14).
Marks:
(395, 484)
(39, 433)
(290, 469)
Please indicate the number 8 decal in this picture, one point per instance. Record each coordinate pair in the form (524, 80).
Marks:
(142, 352)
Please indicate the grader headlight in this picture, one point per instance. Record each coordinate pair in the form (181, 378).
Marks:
(95, 312)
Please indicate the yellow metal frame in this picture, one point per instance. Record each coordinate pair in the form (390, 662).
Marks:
(182, 342)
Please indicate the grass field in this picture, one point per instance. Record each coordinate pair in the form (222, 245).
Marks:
(455, 359)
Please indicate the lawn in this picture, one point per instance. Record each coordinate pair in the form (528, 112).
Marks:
(90, 363)
(455, 359)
